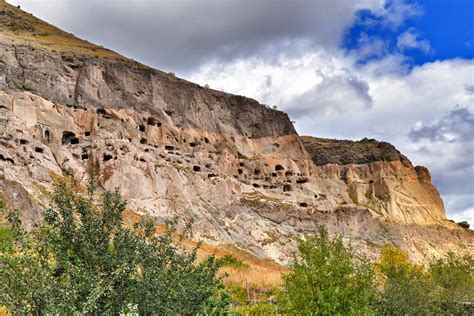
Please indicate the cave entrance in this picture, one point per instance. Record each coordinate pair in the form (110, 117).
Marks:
(69, 138)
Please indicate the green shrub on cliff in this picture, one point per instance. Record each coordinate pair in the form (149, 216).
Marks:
(82, 259)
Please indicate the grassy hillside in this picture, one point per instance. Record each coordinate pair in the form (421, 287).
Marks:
(23, 25)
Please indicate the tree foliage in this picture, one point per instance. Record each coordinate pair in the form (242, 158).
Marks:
(327, 279)
(83, 259)
(407, 288)
(410, 289)
(454, 278)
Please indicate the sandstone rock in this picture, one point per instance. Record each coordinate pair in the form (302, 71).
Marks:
(234, 168)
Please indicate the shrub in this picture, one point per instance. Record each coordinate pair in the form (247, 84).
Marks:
(407, 288)
(231, 261)
(327, 279)
(6, 240)
(83, 260)
(259, 309)
(454, 277)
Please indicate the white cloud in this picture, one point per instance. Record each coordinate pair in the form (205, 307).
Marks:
(460, 207)
(370, 47)
(411, 39)
(395, 12)
(446, 144)
(332, 94)
(465, 215)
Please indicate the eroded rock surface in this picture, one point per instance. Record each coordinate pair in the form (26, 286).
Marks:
(234, 168)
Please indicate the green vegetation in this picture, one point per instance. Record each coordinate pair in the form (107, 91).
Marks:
(259, 309)
(6, 234)
(6, 240)
(326, 279)
(454, 279)
(82, 259)
(407, 288)
(245, 304)
(231, 261)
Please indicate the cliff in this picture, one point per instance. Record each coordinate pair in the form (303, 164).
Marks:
(237, 170)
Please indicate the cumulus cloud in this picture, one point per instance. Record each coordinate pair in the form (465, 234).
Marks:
(411, 39)
(332, 95)
(446, 144)
(461, 207)
(456, 126)
(396, 12)
(450, 144)
(399, 98)
(392, 14)
(371, 47)
(469, 87)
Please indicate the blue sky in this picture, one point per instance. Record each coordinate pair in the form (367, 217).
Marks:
(400, 71)
(446, 24)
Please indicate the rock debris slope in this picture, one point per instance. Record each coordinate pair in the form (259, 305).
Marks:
(237, 170)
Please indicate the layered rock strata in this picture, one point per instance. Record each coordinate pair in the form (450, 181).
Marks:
(237, 170)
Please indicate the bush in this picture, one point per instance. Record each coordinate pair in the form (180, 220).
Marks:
(6, 240)
(327, 279)
(82, 259)
(407, 288)
(259, 309)
(231, 261)
(454, 277)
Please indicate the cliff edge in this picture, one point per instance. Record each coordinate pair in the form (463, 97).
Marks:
(234, 168)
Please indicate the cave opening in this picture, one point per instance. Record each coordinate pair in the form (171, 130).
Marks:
(69, 138)
(107, 157)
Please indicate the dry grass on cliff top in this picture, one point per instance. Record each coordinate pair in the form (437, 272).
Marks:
(23, 25)
(254, 272)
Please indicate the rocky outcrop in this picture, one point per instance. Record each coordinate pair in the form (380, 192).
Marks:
(380, 178)
(345, 152)
(234, 168)
(115, 83)
(464, 224)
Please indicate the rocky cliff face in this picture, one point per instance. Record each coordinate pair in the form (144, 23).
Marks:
(234, 168)
(380, 178)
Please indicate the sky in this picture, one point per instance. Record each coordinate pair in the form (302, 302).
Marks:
(399, 71)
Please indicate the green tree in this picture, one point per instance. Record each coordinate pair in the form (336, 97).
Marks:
(454, 276)
(407, 288)
(327, 279)
(83, 259)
